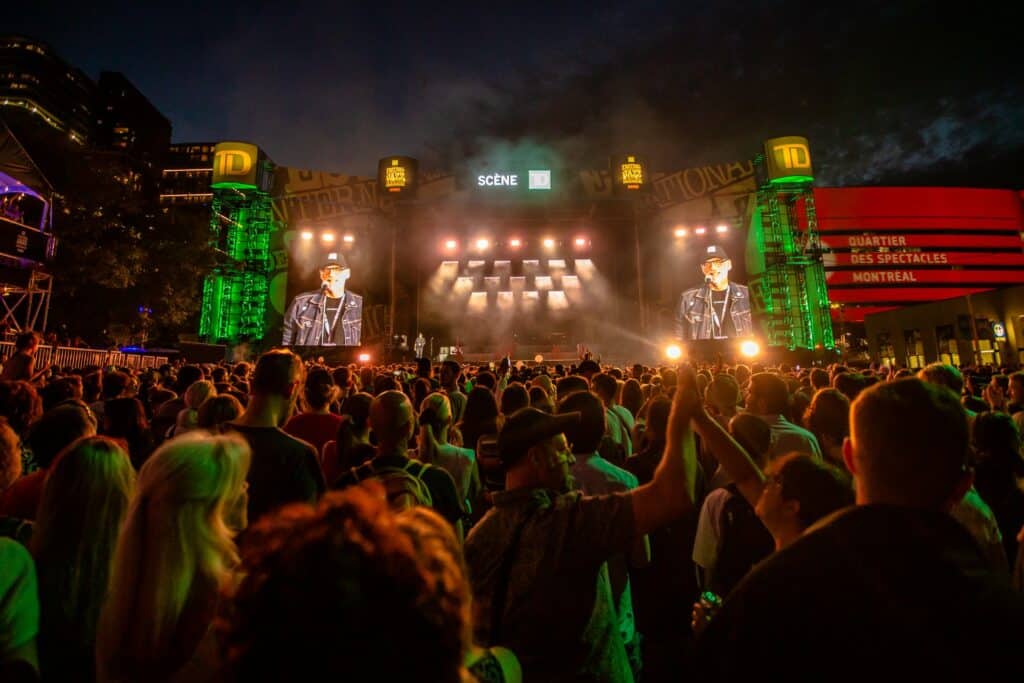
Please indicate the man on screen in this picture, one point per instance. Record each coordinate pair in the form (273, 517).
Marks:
(329, 316)
(718, 309)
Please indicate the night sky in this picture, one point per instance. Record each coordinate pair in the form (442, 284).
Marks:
(886, 92)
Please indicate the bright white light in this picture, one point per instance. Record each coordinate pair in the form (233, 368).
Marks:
(515, 243)
(750, 348)
(549, 243)
(722, 228)
(700, 231)
(581, 241)
(450, 244)
(542, 282)
(557, 300)
(673, 352)
(681, 232)
(478, 302)
(307, 235)
(482, 244)
(348, 239)
(364, 358)
(327, 236)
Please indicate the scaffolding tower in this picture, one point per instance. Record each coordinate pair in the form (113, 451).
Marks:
(784, 259)
(235, 294)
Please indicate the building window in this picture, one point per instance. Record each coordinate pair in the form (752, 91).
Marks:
(915, 349)
(886, 352)
(948, 351)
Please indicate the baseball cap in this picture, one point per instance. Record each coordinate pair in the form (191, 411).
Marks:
(528, 427)
(715, 251)
(334, 261)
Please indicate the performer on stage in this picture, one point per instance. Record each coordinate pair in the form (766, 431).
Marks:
(329, 316)
(419, 345)
(718, 309)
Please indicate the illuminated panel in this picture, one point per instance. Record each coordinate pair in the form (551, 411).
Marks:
(542, 282)
(928, 258)
(915, 241)
(517, 283)
(570, 282)
(492, 282)
(463, 285)
(505, 301)
(913, 277)
(554, 263)
(557, 300)
(585, 269)
(478, 302)
(916, 208)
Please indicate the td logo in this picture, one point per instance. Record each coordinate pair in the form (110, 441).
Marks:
(232, 162)
(794, 155)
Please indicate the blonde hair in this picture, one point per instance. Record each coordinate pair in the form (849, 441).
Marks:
(198, 392)
(85, 499)
(175, 540)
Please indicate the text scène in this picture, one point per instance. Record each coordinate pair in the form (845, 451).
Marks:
(497, 180)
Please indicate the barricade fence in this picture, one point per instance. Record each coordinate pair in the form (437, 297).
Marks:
(78, 358)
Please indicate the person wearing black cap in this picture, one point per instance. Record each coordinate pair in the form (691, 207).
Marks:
(718, 309)
(329, 316)
(538, 558)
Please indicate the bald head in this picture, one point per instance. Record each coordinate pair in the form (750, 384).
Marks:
(391, 419)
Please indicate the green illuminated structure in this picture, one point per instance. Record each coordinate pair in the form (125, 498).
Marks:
(241, 222)
(787, 277)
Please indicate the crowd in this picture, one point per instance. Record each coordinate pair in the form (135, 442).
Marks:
(282, 520)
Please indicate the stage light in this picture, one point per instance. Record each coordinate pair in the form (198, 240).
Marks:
(681, 232)
(327, 236)
(515, 243)
(482, 244)
(549, 243)
(722, 228)
(700, 231)
(348, 239)
(364, 358)
(750, 348)
(581, 241)
(450, 245)
(673, 352)
(538, 358)
(306, 235)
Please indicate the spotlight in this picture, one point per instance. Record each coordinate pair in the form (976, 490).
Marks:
(681, 232)
(482, 244)
(327, 236)
(515, 243)
(538, 358)
(581, 241)
(700, 231)
(673, 352)
(364, 358)
(348, 239)
(549, 243)
(722, 228)
(307, 235)
(750, 348)
(450, 245)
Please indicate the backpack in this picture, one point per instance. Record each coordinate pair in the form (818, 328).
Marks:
(744, 542)
(404, 488)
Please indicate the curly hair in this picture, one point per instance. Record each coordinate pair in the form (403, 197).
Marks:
(346, 594)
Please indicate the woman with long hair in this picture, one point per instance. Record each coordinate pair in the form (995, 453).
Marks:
(85, 499)
(125, 419)
(175, 554)
(480, 417)
(351, 446)
(216, 411)
(316, 424)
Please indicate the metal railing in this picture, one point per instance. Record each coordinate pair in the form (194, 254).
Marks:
(78, 358)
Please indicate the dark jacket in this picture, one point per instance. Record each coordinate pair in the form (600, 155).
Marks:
(694, 315)
(304, 323)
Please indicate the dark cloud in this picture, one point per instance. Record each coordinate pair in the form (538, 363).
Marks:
(887, 92)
